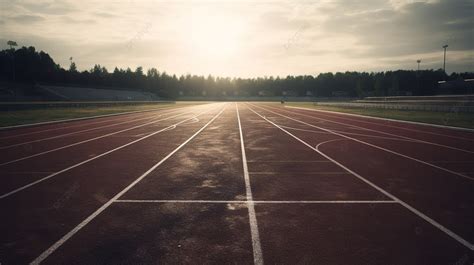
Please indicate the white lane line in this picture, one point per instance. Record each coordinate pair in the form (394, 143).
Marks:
(296, 173)
(91, 217)
(26, 172)
(393, 120)
(255, 202)
(386, 193)
(453, 161)
(89, 140)
(74, 119)
(374, 146)
(347, 133)
(382, 132)
(284, 161)
(91, 159)
(257, 248)
(77, 132)
(74, 125)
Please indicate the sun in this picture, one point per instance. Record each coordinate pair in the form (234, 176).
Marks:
(215, 37)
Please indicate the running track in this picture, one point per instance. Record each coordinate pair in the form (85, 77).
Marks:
(236, 183)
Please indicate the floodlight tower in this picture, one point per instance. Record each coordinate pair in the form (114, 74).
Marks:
(418, 76)
(444, 61)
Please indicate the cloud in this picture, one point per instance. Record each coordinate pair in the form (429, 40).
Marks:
(277, 37)
(54, 7)
(105, 15)
(72, 20)
(25, 19)
(412, 29)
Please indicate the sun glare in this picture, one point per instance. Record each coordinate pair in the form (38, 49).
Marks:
(215, 38)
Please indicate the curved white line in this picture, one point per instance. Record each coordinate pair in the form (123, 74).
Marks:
(376, 146)
(358, 134)
(417, 140)
(386, 193)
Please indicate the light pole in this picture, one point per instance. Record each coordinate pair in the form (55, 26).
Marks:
(12, 44)
(444, 61)
(418, 76)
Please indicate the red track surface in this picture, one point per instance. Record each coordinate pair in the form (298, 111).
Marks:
(173, 186)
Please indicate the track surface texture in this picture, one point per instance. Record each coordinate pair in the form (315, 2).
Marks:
(236, 183)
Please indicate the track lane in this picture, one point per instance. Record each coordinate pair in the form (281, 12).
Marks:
(135, 128)
(29, 130)
(422, 155)
(23, 174)
(65, 239)
(208, 167)
(57, 142)
(333, 234)
(281, 168)
(445, 136)
(67, 199)
(338, 217)
(39, 136)
(438, 194)
(450, 158)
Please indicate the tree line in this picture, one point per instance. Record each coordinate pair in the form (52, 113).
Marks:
(27, 65)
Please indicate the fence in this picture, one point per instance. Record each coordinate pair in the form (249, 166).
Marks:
(419, 107)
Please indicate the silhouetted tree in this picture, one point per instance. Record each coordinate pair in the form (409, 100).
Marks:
(28, 65)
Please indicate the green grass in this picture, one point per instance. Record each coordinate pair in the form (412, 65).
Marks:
(456, 119)
(17, 117)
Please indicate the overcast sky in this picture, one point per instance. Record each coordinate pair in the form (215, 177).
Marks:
(246, 38)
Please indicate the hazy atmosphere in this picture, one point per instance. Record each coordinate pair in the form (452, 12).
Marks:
(237, 132)
(246, 38)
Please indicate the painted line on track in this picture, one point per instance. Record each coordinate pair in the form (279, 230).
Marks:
(93, 158)
(91, 217)
(362, 135)
(74, 119)
(78, 132)
(285, 161)
(386, 193)
(392, 120)
(297, 173)
(374, 146)
(382, 132)
(72, 126)
(256, 246)
(89, 140)
(255, 202)
(387, 119)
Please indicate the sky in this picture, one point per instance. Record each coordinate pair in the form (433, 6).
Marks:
(246, 38)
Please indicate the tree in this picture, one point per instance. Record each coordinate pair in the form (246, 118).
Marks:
(28, 65)
(72, 67)
(12, 44)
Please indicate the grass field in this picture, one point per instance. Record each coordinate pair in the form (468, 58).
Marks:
(18, 117)
(456, 119)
